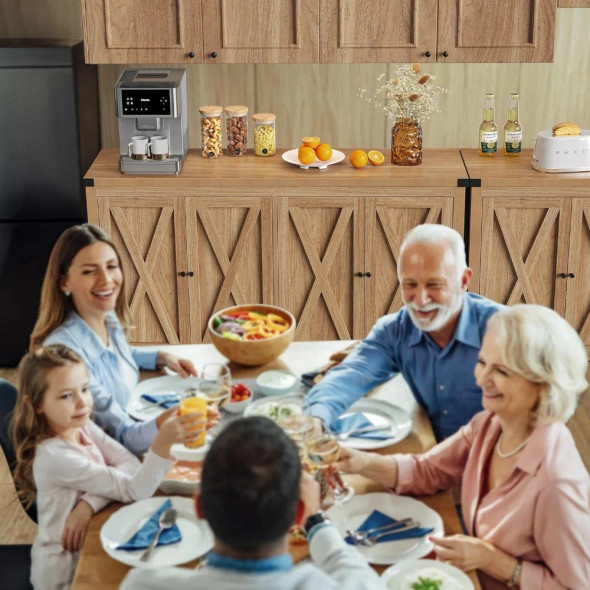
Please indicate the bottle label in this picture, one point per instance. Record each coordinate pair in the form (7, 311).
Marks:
(513, 142)
(489, 141)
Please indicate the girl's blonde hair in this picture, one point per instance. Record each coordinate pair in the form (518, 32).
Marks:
(29, 427)
(55, 306)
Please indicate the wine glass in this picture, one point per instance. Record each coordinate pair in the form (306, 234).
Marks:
(298, 428)
(324, 451)
(215, 384)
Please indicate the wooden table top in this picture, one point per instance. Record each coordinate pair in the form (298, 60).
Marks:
(502, 171)
(97, 570)
(440, 168)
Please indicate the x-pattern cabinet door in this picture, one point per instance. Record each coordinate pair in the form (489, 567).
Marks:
(319, 250)
(388, 219)
(578, 293)
(229, 251)
(524, 250)
(148, 233)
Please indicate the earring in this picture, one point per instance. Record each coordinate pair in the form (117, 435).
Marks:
(67, 293)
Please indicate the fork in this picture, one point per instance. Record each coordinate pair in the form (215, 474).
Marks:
(370, 541)
(166, 521)
(359, 536)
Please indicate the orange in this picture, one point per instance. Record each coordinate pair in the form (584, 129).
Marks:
(376, 158)
(323, 152)
(358, 158)
(306, 155)
(311, 142)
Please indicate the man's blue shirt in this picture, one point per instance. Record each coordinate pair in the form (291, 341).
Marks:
(441, 380)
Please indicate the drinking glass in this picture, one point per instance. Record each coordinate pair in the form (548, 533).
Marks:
(215, 384)
(298, 428)
(189, 404)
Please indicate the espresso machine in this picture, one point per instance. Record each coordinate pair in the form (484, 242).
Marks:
(151, 106)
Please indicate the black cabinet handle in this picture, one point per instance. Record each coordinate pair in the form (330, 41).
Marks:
(562, 275)
(182, 273)
(445, 54)
(368, 275)
(191, 273)
(428, 54)
(358, 274)
(191, 54)
(571, 275)
(214, 54)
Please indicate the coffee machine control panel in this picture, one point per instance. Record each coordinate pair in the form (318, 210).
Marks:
(146, 102)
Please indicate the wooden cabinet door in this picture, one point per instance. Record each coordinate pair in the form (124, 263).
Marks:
(377, 31)
(505, 31)
(578, 294)
(524, 250)
(388, 220)
(319, 250)
(148, 232)
(260, 31)
(229, 250)
(142, 31)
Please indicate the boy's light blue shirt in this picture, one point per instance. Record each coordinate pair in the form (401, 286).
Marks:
(109, 392)
(441, 380)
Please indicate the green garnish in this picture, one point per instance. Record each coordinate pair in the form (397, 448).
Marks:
(427, 584)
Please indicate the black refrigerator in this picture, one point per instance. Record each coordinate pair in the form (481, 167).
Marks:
(49, 136)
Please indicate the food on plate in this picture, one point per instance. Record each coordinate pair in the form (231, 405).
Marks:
(296, 535)
(271, 410)
(311, 142)
(376, 157)
(323, 152)
(426, 578)
(186, 471)
(249, 325)
(567, 128)
(240, 393)
(358, 158)
(306, 155)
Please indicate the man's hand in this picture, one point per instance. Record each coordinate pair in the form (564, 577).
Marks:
(75, 527)
(183, 367)
(309, 492)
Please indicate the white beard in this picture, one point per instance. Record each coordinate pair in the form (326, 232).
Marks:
(443, 315)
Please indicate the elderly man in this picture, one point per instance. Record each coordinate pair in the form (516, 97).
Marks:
(433, 341)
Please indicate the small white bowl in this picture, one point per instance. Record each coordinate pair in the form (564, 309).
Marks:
(276, 382)
(237, 407)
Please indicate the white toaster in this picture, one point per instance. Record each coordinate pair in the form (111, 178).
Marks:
(568, 153)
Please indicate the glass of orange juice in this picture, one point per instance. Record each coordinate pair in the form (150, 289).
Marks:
(190, 404)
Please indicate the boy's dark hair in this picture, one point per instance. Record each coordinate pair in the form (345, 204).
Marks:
(250, 484)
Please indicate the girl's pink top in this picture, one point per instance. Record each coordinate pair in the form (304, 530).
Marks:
(539, 514)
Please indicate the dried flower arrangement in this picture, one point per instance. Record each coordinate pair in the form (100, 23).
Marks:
(409, 94)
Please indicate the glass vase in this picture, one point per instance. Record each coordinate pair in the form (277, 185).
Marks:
(406, 142)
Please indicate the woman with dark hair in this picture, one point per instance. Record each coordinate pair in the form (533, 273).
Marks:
(83, 306)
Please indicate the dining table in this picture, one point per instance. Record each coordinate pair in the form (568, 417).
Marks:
(96, 569)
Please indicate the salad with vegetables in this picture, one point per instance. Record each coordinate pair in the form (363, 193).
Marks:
(249, 325)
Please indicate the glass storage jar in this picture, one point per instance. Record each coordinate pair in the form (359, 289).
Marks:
(236, 118)
(265, 143)
(211, 131)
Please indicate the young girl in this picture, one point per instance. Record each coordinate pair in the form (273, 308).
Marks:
(69, 465)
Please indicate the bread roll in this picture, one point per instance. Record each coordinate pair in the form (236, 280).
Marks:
(562, 129)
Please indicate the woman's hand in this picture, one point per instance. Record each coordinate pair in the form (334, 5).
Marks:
(75, 527)
(351, 460)
(177, 429)
(183, 367)
(465, 552)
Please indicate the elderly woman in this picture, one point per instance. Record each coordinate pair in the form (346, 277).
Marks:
(83, 306)
(525, 491)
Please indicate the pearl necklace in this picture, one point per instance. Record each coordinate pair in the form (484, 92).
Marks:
(506, 455)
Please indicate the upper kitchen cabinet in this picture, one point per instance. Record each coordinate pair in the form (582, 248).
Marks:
(264, 31)
(142, 31)
(377, 31)
(514, 31)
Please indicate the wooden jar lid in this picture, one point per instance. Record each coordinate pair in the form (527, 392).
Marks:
(236, 111)
(264, 117)
(211, 111)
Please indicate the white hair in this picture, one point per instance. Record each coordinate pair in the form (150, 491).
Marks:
(434, 233)
(538, 344)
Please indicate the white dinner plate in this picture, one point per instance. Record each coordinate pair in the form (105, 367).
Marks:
(352, 514)
(394, 576)
(142, 410)
(380, 413)
(291, 156)
(197, 537)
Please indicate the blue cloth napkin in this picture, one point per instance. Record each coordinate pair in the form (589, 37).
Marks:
(145, 535)
(377, 519)
(359, 420)
(166, 400)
